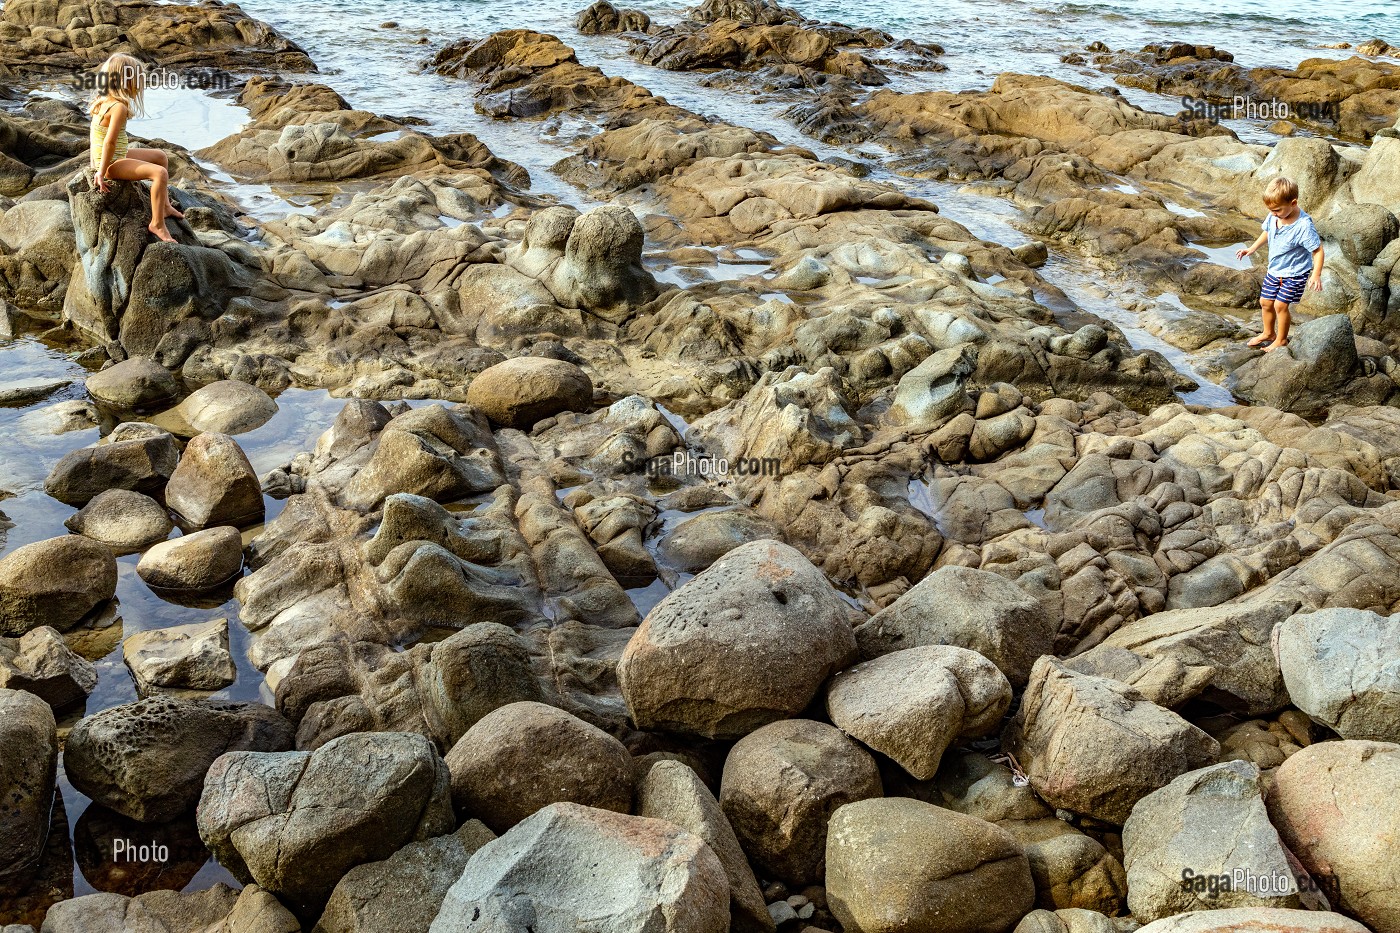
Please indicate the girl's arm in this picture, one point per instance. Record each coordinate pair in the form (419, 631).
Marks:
(115, 124)
(1253, 247)
(1315, 280)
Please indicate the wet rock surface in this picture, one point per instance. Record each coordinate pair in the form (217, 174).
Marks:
(702, 510)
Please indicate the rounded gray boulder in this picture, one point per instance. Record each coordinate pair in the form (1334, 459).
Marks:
(525, 756)
(747, 642)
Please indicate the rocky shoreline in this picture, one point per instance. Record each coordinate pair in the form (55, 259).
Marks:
(751, 547)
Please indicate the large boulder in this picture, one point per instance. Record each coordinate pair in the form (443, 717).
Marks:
(439, 689)
(193, 657)
(1333, 804)
(296, 822)
(225, 407)
(133, 384)
(1205, 825)
(1255, 920)
(1319, 368)
(527, 389)
(745, 643)
(124, 520)
(571, 867)
(54, 582)
(936, 389)
(193, 562)
(912, 704)
(1222, 652)
(590, 261)
(218, 909)
(1096, 746)
(970, 608)
(525, 756)
(43, 664)
(405, 891)
(781, 784)
(135, 456)
(148, 759)
(896, 865)
(215, 484)
(1072, 870)
(28, 762)
(1342, 668)
(672, 791)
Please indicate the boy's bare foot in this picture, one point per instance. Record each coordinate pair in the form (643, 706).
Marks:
(160, 233)
(1281, 342)
(1262, 338)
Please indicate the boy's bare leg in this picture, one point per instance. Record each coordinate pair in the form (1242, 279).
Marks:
(1266, 305)
(1284, 319)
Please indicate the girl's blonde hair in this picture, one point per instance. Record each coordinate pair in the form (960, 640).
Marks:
(121, 77)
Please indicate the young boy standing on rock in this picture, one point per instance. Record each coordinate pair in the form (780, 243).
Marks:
(1295, 260)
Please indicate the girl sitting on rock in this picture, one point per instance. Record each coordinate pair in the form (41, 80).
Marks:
(121, 86)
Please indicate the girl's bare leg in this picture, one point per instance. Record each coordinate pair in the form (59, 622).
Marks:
(157, 157)
(137, 170)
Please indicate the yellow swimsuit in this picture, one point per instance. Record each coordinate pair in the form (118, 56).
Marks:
(98, 138)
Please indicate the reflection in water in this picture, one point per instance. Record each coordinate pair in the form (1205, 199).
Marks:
(118, 854)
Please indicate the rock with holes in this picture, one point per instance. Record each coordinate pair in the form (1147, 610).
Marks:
(28, 761)
(571, 867)
(782, 783)
(54, 582)
(43, 664)
(524, 756)
(215, 484)
(911, 705)
(747, 642)
(970, 608)
(1342, 668)
(296, 822)
(148, 759)
(896, 864)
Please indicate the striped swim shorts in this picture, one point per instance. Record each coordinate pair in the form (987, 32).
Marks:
(1288, 289)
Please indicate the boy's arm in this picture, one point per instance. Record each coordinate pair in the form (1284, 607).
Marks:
(1253, 247)
(1315, 280)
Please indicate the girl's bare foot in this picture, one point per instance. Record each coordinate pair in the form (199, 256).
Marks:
(160, 233)
(172, 211)
(1281, 342)
(1262, 338)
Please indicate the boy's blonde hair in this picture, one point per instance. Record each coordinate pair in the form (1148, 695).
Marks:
(121, 77)
(1280, 191)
